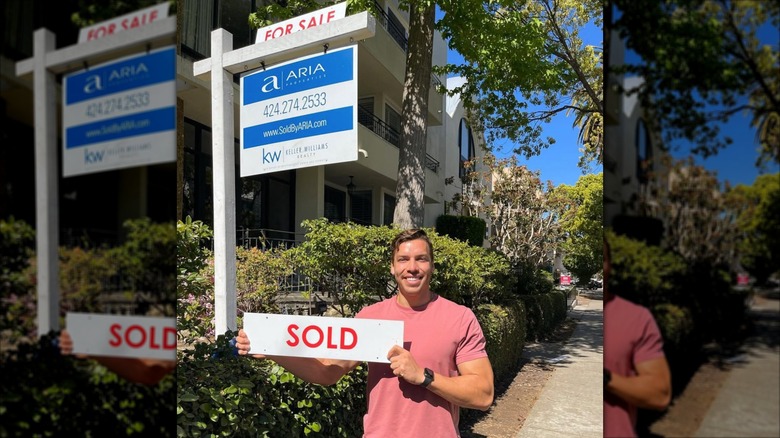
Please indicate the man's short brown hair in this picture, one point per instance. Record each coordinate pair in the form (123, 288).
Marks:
(408, 235)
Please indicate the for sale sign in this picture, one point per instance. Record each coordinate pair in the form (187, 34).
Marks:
(120, 114)
(565, 280)
(122, 336)
(366, 340)
(302, 22)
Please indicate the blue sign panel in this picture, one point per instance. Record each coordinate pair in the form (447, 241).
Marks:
(120, 114)
(299, 114)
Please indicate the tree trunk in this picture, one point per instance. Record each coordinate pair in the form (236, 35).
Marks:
(410, 188)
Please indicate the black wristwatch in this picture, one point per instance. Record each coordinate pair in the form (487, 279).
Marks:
(607, 377)
(428, 373)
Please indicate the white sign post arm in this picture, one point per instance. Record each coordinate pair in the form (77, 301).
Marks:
(46, 185)
(224, 184)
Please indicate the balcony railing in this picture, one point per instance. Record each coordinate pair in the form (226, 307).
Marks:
(398, 34)
(389, 134)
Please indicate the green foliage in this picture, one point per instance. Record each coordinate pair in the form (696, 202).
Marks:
(701, 61)
(147, 260)
(582, 222)
(676, 325)
(504, 328)
(221, 394)
(544, 313)
(352, 263)
(466, 228)
(90, 12)
(47, 394)
(349, 261)
(524, 55)
(17, 241)
(194, 310)
(644, 274)
(758, 222)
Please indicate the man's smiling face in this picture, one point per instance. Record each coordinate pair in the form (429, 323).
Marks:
(412, 267)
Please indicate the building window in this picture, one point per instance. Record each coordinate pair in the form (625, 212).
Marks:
(262, 201)
(360, 207)
(393, 118)
(389, 209)
(644, 152)
(396, 29)
(335, 205)
(200, 17)
(465, 146)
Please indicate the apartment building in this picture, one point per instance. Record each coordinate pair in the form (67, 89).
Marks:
(363, 191)
(92, 207)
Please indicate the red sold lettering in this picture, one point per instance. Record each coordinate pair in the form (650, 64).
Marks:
(309, 343)
(143, 336)
(291, 330)
(313, 337)
(136, 336)
(117, 341)
(344, 345)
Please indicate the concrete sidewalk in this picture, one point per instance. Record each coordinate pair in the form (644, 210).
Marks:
(571, 403)
(748, 403)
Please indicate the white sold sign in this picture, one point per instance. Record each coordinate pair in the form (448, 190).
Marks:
(120, 114)
(122, 336)
(300, 114)
(366, 340)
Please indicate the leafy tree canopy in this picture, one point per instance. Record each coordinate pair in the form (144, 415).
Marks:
(526, 62)
(702, 62)
(582, 221)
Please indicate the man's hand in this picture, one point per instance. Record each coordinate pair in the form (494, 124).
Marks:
(242, 344)
(66, 345)
(404, 366)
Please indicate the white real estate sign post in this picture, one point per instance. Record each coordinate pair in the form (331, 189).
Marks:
(366, 340)
(300, 113)
(219, 68)
(122, 336)
(120, 114)
(48, 61)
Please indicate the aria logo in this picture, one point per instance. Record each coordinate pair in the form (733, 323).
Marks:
(95, 83)
(271, 83)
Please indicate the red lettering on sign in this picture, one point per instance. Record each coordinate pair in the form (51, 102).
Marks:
(291, 330)
(117, 341)
(140, 330)
(309, 343)
(136, 336)
(319, 337)
(344, 331)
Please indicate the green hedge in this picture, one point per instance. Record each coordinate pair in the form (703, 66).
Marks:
(544, 313)
(505, 334)
(47, 394)
(221, 394)
(466, 228)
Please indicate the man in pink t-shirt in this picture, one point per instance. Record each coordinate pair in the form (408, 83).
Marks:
(636, 374)
(442, 365)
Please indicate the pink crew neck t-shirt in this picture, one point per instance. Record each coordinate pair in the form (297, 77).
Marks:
(631, 336)
(440, 336)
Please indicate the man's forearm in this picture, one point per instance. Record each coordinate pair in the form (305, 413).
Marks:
(646, 392)
(319, 371)
(468, 391)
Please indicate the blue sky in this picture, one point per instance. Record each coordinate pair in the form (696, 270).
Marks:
(737, 162)
(557, 163)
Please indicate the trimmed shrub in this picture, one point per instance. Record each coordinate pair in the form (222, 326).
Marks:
(222, 394)
(352, 263)
(505, 333)
(544, 313)
(466, 228)
(676, 325)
